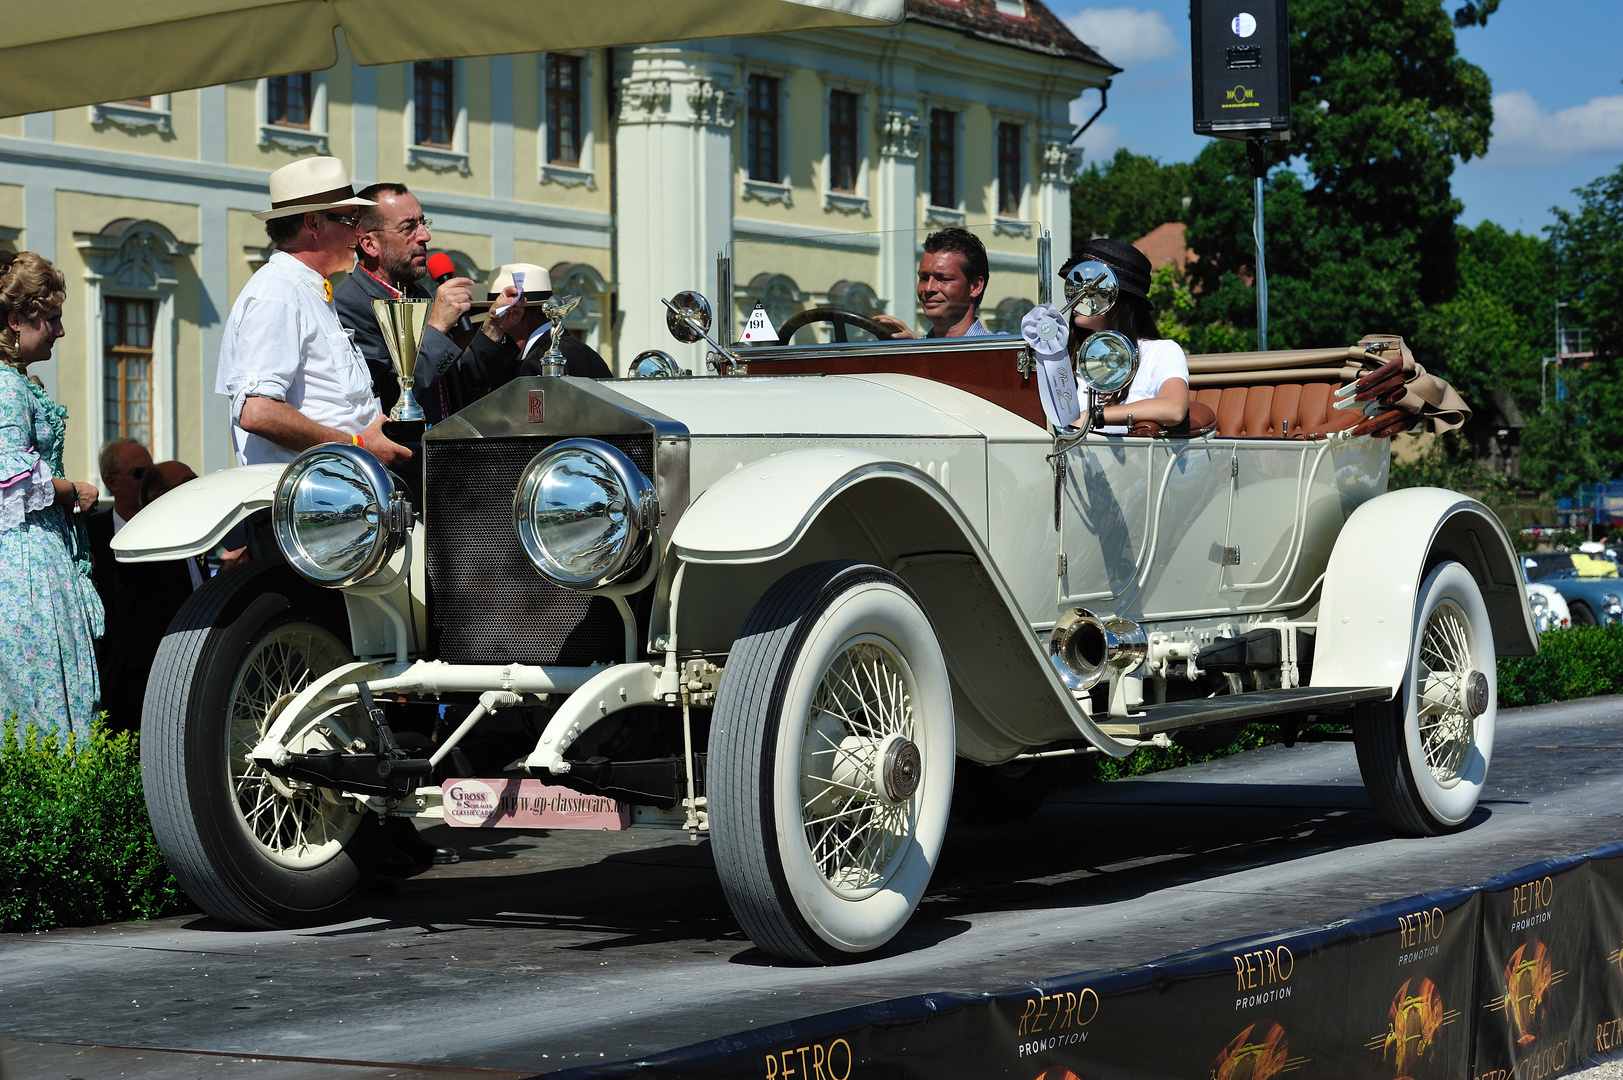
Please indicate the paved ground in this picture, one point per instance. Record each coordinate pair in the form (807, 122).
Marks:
(541, 951)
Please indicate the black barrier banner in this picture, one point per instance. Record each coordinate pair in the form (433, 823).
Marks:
(1516, 978)
(1410, 987)
(1530, 989)
(1602, 1035)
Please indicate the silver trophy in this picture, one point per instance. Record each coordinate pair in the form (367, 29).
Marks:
(555, 308)
(402, 320)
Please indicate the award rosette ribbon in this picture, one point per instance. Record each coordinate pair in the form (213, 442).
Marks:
(1047, 334)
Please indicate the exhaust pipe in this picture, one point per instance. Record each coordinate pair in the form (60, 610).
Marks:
(1083, 647)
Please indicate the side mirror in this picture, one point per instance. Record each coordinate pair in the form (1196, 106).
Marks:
(1091, 288)
(654, 364)
(688, 317)
(1107, 362)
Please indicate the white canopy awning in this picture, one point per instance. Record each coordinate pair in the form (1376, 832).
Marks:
(61, 53)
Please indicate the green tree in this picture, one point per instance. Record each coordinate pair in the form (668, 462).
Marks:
(1126, 197)
(1363, 239)
(1560, 449)
(1496, 328)
(1173, 304)
(1589, 250)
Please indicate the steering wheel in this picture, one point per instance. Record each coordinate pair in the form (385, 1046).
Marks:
(839, 317)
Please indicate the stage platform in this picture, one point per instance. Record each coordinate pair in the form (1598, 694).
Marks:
(542, 952)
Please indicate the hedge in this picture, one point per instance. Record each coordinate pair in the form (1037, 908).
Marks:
(1578, 662)
(76, 848)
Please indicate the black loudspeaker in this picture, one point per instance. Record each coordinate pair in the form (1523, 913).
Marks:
(1242, 73)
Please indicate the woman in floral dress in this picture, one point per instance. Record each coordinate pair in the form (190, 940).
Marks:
(49, 610)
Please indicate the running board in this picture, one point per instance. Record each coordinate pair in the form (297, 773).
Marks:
(1178, 715)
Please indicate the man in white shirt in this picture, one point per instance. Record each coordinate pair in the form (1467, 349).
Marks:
(291, 370)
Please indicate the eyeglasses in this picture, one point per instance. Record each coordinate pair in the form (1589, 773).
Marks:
(352, 220)
(137, 472)
(409, 227)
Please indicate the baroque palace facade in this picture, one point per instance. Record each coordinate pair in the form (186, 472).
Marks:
(818, 161)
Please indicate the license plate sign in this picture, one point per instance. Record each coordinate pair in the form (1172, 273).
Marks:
(472, 803)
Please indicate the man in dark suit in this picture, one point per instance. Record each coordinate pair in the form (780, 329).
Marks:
(123, 463)
(534, 333)
(392, 255)
(146, 597)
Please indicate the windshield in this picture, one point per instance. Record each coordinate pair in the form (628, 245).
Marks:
(820, 274)
(1568, 565)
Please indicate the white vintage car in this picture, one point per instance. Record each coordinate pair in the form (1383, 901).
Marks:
(783, 608)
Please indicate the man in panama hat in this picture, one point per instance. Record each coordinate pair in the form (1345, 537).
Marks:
(534, 334)
(291, 370)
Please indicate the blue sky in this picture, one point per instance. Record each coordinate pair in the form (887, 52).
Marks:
(1556, 66)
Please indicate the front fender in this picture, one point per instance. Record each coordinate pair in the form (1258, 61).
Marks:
(759, 512)
(1366, 611)
(781, 512)
(193, 518)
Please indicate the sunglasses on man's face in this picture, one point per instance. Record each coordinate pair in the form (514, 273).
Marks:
(137, 472)
(352, 220)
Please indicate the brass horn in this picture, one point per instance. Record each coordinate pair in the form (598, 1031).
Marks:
(1083, 647)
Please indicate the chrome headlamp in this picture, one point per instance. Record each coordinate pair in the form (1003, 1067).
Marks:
(339, 514)
(584, 514)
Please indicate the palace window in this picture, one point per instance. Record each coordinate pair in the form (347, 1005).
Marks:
(763, 129)
(1009, 179)
(433, 94)
(287, 100)
(943, 158)
(134, 114)
(842, 140)
(127, 369)
(563, 109)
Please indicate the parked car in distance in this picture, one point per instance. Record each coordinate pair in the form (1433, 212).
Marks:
(1549, 607)
(1587, 581)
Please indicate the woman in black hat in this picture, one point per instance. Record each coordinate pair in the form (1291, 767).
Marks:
(1160, 389)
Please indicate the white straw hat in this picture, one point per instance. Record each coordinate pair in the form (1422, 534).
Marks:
(310, 184)
(537, 282)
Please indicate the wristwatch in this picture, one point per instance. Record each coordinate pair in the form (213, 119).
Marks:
(1098, 417)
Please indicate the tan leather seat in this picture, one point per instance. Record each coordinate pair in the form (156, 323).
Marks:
(1286, 410)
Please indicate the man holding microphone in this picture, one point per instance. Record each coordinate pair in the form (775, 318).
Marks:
(391, 249)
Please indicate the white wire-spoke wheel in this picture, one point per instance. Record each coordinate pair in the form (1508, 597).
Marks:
(829, 776)
(298, 824)
(1425, 754)
(249, 848)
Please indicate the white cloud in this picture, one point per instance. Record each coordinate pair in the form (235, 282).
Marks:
(1124, 36)
(1100, 142)
(1524, 133)
(1102, 139)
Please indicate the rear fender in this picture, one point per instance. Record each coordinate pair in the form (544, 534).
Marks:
(193, 518)
(788, 510)
(1389, 544)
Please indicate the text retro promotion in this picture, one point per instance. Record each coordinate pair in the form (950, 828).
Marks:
(1517, 978)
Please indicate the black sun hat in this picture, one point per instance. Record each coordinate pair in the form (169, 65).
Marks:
(1130, 264)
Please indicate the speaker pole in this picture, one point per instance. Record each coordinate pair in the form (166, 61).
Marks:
(1256, 153)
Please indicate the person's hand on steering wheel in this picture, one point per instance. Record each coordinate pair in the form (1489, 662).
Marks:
(897, 328)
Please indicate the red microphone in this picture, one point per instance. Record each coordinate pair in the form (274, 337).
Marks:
(442, 269)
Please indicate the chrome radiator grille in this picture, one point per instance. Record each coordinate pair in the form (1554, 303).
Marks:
(486, 602)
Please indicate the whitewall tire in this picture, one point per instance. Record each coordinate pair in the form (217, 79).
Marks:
(1425, 754)
(829, 776)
